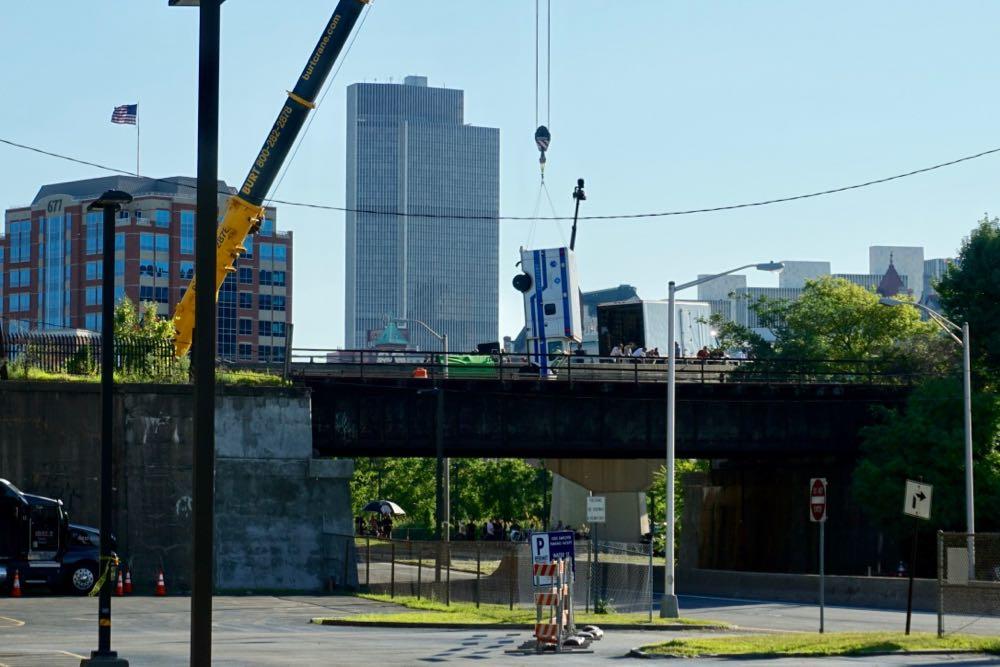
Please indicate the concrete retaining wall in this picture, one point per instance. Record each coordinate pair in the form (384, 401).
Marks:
(283, 519)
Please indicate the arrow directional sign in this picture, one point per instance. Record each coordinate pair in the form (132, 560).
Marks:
(917, 500)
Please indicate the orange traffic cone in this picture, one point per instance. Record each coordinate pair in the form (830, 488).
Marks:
(119, 588)
(128, 582)
(15, 592)
(161, 588)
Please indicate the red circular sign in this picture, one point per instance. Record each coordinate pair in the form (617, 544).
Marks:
(817, 500)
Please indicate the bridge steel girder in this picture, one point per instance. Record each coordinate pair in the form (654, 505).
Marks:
(516, 419)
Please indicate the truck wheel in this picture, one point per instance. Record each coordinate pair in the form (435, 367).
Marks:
(82, 578)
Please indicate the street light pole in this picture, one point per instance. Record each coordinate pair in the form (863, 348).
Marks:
(443, 483)
(970, 506)
(952, 329)
(110, 202)
(668, 605)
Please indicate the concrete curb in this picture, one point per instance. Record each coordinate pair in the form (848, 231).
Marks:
(639, 653)
(508, 626)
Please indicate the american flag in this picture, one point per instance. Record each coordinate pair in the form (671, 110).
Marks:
(126, 114)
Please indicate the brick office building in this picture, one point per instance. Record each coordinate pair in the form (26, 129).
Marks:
(51, 263)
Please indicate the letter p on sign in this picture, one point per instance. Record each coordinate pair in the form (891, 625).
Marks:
(817, 499)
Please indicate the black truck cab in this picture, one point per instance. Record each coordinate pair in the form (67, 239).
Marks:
(39, 543)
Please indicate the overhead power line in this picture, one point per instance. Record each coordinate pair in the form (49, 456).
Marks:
(617, 216)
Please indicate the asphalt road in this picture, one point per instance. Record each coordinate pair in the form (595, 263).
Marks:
(805, 618)
(263, 630)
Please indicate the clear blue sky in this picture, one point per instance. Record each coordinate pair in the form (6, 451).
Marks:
(659, 105)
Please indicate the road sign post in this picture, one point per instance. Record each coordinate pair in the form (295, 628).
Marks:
(596, 513)
(916, 503)
(817, 514)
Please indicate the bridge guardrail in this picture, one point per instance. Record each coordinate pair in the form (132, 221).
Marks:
(372, 364)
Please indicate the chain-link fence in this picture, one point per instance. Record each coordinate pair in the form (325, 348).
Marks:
(968, 582)
(613, 577)
(620, 578)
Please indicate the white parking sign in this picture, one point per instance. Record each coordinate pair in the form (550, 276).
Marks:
(540, 548)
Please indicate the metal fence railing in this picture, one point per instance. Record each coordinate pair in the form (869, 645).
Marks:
(80, 354)
(968, 582)
(613, 577)
(317, 362)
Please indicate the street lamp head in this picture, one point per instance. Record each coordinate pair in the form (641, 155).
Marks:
(110, 199)
(770, 266)
(889, 301)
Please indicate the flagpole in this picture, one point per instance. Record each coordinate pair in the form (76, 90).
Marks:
(137, 137)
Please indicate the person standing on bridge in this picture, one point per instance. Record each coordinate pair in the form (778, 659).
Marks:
(616, 353)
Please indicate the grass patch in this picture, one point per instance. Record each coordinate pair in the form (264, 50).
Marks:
(831, 644)
(432, 612)
(249, 379)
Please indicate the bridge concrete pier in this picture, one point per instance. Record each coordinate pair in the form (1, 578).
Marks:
(623, 482)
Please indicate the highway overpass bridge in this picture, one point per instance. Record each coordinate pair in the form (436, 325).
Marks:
(588, 418)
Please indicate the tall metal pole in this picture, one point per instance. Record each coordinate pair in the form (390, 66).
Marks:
(970, 505)
(203, 568)
(110, 202)
(822, 574)
(668, 606)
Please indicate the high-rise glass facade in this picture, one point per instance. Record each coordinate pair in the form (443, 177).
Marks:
(410, 151)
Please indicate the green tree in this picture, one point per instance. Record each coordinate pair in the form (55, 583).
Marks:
(144, 342)
(480, 489)
(970, 292)
(926, 440)
(656, 505)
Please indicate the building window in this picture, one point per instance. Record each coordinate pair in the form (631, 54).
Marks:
(264, 353)
(246, 300)
(94, 296)
(265, 277)
(187, 232)
(187, 270)
(278, 278)
(267, 227)
(95, 233)
(226, 314)
(162, 217)
(264, 328)
(20, 278)
(280, 253)
(246, 326)
(162, 243)
(246, 275)
(119, 241)
(278, 329)
(162, 294)
(93, 321)
(277, 353)
(246, 352)
(119, 267)
(248, 244)
(264, 302)
(95, 270)
(20, 241)
(145, 241)
(277, 302)
(145, 293)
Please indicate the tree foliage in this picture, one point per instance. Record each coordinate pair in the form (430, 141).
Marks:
(970, 292)
(480, 489)
(926, 440)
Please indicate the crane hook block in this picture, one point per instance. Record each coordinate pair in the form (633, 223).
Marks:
(542, 139)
